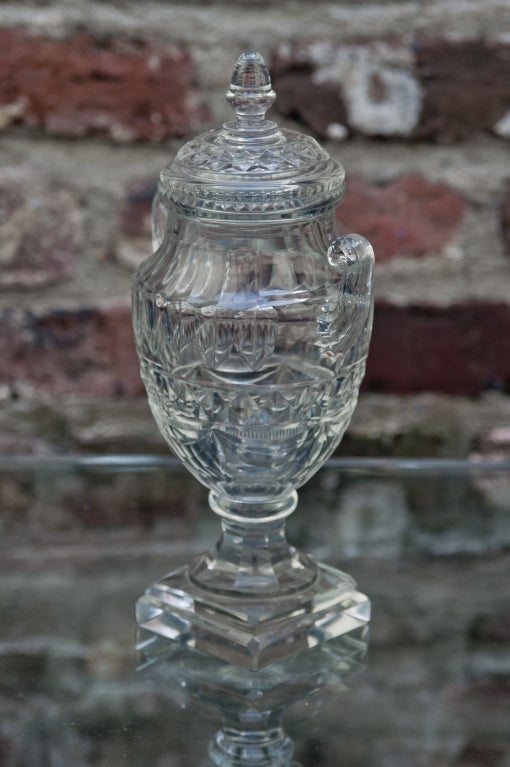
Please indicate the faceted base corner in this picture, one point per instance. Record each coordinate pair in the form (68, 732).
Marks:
(253, 632)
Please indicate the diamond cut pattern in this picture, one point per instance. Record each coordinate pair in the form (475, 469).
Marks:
(294, 152)
(225, 171)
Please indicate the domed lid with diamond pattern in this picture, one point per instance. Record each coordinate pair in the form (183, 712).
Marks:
(249, 168)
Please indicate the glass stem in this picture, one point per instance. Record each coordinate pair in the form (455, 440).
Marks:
(254, 557)
(239, 744)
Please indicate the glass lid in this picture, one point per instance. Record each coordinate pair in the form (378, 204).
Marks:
(249, 168)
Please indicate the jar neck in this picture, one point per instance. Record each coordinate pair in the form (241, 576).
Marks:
(184, 227)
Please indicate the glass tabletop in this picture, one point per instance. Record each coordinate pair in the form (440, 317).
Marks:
(428, 684)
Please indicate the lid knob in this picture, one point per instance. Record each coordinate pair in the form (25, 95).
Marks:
(250, 92)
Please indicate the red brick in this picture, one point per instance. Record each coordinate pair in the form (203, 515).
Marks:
(64, 352)
(461, 349)
(40, 231)
(408, 217)
(438, 89)
(122, 89)
(367, 88)
(465, 87)
(318, 105)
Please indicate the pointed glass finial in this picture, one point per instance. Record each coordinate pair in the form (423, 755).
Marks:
(250, 92)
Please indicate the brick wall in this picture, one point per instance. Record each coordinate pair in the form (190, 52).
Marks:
(413, 98)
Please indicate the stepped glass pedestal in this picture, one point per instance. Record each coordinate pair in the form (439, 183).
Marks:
(252, 321)
(275, 602)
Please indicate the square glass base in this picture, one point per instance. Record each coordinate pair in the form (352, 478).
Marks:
(253, 631)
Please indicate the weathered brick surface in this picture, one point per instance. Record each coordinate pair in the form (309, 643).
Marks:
(40, 231)
(439, 89)
(364, 88)
(459, 349)
(423, 118)
(319, 105)
(66, 352)
(125, 90)
(465, 88)
(408, 217)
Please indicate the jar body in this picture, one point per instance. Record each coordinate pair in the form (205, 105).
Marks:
(252, 338)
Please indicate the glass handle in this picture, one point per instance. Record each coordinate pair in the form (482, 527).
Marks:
(352, 253)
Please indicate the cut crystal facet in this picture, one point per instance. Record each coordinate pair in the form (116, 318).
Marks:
(258, 632)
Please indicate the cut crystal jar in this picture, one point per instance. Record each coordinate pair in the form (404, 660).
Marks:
(252, 321)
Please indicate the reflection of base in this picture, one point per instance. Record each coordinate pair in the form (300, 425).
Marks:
(252, 703)
(253, 632)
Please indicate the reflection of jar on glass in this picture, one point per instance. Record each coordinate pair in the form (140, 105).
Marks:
(252, 318)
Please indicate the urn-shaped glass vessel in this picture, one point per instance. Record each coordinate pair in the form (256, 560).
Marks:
(252, 321)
